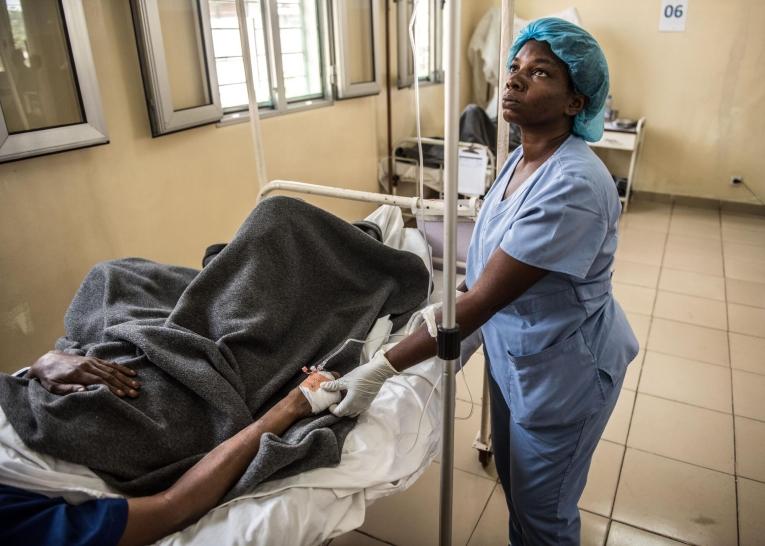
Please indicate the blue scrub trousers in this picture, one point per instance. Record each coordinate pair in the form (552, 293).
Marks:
(543, 470)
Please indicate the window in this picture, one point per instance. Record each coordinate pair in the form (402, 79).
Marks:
(227, 47)
(357, 59)
(174, 43)
(290, 53)
(193, 66)
(49, 100)
(428, 33)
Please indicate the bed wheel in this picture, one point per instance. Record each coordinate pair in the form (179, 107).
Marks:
(484, 457)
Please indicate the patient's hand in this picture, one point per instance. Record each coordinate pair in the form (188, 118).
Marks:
(318, 398)
(61, 373)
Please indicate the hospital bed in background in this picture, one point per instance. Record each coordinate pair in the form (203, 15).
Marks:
(476, 174)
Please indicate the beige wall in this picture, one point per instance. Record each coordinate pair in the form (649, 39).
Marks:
(701, 90)
(166, 198)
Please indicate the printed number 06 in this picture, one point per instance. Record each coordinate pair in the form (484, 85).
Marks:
(673, 11)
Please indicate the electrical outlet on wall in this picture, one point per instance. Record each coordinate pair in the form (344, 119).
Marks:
(736, 180)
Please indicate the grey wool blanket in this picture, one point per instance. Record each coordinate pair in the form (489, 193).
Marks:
(216, 348)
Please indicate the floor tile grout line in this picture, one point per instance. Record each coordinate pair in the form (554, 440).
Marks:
(755, 480)
(705, 326)
(682, 402)
(732, 401)
(662, 456)
(747, 305)
(637, 385)
(680, 540)
(696, 271)
(694, 323)
(750, 373)
(679, 293)
(359, 531)
(681, 461)
(675, 355)
(483, 511)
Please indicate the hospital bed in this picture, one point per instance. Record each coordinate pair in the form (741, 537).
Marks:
(388, 449)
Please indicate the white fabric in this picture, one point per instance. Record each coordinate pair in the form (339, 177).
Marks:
(484, 56)
(378, 335)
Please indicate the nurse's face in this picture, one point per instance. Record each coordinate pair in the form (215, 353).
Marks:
(538, 91)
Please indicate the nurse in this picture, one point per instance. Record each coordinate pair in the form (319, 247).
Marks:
(539, 288)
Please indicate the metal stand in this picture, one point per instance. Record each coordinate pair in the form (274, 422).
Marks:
(483, 440)
(246, 38)
(448, 331)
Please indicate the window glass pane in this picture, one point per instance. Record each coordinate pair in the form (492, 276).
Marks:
(184, 53)
(38, 86)
(422, 35)
(234, 94)
(228, 53)
(359, 46)
(301, 49)
(226, 42)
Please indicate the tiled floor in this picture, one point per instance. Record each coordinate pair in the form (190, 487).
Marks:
(682, 460)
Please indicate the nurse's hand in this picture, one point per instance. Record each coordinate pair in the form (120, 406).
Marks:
(61, 373)
(361, 384)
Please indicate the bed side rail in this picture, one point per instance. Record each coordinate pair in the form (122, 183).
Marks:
(430, 207)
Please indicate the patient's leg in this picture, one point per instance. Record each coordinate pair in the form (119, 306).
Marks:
(202, 487)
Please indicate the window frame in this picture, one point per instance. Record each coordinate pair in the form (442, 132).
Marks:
(344, 88)
(229, 110)
(405, 56)
(93, 130)
(164, 118)
(278, 104)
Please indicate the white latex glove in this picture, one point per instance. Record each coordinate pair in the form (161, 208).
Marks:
(427, 316)
(362, 385)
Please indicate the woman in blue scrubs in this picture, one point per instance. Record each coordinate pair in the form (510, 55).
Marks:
(539, 288)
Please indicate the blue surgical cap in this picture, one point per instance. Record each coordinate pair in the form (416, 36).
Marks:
(586, 64)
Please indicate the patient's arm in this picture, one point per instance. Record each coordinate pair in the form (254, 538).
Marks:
(61, 373)
(201, 488)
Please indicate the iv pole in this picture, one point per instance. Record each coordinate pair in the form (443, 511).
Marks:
(448, 330)
(257, 139)
(507, 16)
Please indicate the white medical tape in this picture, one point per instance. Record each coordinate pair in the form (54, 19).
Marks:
(320, 399)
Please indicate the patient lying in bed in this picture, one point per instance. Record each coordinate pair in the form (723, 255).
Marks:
(212, 350)
(29, 518)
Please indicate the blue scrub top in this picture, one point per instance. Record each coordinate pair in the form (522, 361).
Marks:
(556, 348)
